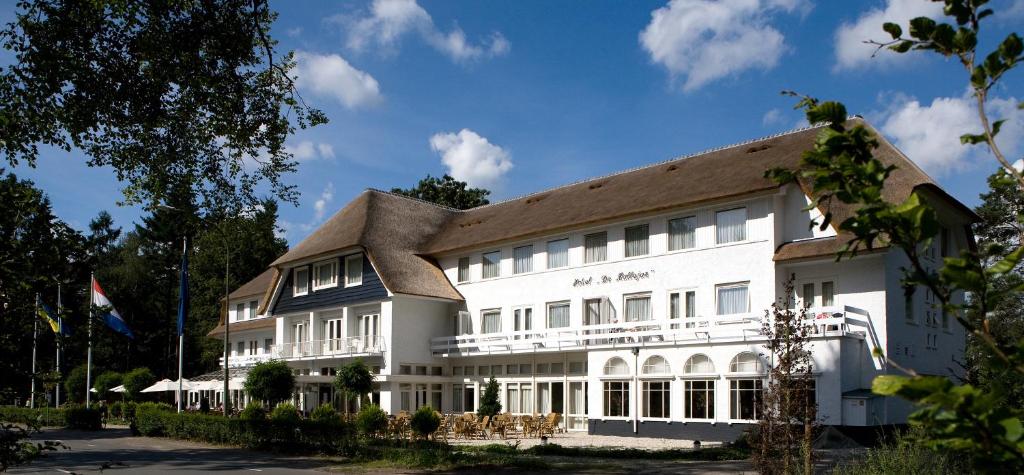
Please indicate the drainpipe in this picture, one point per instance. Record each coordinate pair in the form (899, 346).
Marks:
(636, 389)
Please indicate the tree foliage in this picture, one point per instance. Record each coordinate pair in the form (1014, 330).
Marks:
(271, 382)
(106, 381)
(490, 405)
(446, 191)
(172, 96)
(74, 385)
(354, 379)
(135, 381)
(958, 418)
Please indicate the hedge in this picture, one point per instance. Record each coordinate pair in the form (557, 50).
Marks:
(302, 436)
(72, 416)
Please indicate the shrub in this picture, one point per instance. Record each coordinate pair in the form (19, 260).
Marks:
(128, 411)
(253, 412)
(44, 416)
(117, 410)
(285, 412)
(271, 381)
(81, 417)
(148, 418)
(135, 381)
(489, 403)
(74, 384)
(107, 381)
(324, 413)
(903, 454)
(425, 421)
(371, 420)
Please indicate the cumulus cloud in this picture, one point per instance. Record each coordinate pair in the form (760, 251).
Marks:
(307, 150)
(930, 133)
(330, 75)
(852, 52)
(471, 158)
(704, 40)
(320, 208)
(388, 20)
(320, 205)
(772, 117)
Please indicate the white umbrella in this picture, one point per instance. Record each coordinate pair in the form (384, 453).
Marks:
(167, 385)
(117, 389)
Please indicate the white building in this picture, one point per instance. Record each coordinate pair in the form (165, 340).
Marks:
(630, 303)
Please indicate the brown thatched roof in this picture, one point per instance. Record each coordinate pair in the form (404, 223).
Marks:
(257, 286)
(256, 324)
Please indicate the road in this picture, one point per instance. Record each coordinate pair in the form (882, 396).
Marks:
(88, 451)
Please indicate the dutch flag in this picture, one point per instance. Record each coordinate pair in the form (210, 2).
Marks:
(113, 319)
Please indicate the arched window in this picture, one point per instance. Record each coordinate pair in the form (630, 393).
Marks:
(746, 362)
(616, 366)
(699, 363)
(656, 365)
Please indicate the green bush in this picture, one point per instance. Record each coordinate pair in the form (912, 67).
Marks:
(324, 413)
(74, 384)
(253, 412)
(128, 411)
(135, 381)
(903, 454)
(285, 412)
(107, 381)
(81, 417)
(371, 420)
(271, 381)
(425, 421)
(148, 415)
(44, 416)
(117, 410)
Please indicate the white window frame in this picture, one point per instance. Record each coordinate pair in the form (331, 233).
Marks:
(547, 313)
(483, 314)
(528, 259)
(458, 270)
(636, 296)
(239, 311)
(646, 240)
(746, 219)
(595, 234)
(334, 274)
(520, 322)
(731, 286)
(251, 310)
(483, 263)
(304, 270)
(358, 259)
(668, 233)
(646, 397)
(549, 254)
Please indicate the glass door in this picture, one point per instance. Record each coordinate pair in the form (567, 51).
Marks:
(332, 336)
(369, 330)
(522, 319)
(577, 417)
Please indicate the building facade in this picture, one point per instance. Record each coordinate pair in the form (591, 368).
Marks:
(630, 303)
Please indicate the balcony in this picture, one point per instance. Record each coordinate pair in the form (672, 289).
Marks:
(829, 321)
(240, 361)
(333, 348)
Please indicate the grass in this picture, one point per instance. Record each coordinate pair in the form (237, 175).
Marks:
(901, 455)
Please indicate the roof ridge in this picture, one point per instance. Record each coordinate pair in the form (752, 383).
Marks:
(412, 198)
(656, 164)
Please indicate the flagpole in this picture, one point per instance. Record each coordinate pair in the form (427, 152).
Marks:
(60, 340)
(181, 329)
(35, 332)
(88, 360)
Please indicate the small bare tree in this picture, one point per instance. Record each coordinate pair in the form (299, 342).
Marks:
(788, 416)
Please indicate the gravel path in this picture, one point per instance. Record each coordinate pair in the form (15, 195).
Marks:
(579, 439)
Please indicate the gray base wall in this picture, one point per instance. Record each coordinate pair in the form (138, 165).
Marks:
(702, 431)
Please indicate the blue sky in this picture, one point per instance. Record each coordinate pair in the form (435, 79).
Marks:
(524, 95)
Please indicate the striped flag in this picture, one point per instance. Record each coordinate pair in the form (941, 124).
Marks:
(111, 317)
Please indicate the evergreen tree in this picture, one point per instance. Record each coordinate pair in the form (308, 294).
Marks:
(489, 403)
(446, 191)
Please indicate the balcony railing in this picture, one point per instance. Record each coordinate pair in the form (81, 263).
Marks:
(245, 360)
(355, 345)
(826, 321)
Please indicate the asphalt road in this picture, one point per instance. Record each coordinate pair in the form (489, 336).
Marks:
(89, 451)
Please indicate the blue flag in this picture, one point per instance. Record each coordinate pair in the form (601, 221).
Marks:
(183, 291)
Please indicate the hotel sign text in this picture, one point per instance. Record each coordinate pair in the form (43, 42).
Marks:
(607, 279)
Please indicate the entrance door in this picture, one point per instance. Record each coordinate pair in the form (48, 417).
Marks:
(577, 418)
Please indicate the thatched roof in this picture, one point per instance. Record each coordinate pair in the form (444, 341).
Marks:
(257, 286)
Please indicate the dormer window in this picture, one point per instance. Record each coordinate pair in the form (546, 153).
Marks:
(325, 274)
(301, 281)
(353, 270)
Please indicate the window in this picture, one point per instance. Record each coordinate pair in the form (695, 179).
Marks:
(301, 284)
(682, 305)
(616, 399)
(732, 299)
(558, 253)
(579, 367)
(268, 343)
(463, 398)
(240, 348)
(808, 295)
(746, 362)
(616, 367)
(522, 259)
(463, 269)
(656, 399)
(638, 308)
(542, 368)
(239, 312)
(731, 225)
(558, 315)
(908, 307)
(252, 309)
(484, 370)
(699, 399)
(557, 368)
(490, 321)
(511, 369)
(828, 294)
(354, 270)
(492, 264)
(595, 247)
(325, 274)
(656, 365)
(699, 364)
(744, 398)
(519, 397)
(522, 321)
(682, 233)
(637, 238)
(253, 346)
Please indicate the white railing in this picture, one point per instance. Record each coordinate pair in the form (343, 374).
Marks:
(245, 360)
(355, 345)
(826, 321)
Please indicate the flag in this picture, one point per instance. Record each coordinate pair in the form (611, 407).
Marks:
(47, 314)
(183, 292)
(113, 319)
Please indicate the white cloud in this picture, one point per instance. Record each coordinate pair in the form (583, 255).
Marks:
(706, 40)
(852, 52)
(320, 205)
(307, 150)
(330, 75)
(471, 158)
(930, 133)
(326, 150)
(389, 20)
(772, 117)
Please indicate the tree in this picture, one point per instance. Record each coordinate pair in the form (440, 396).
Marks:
(107, 381)
(446, 191)
(16, 448)
(955, 418)
(135, 381)
(210, 115)
(355, 380)
(787, 418)
(270, 382)
(489, 403)
(74, 384)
